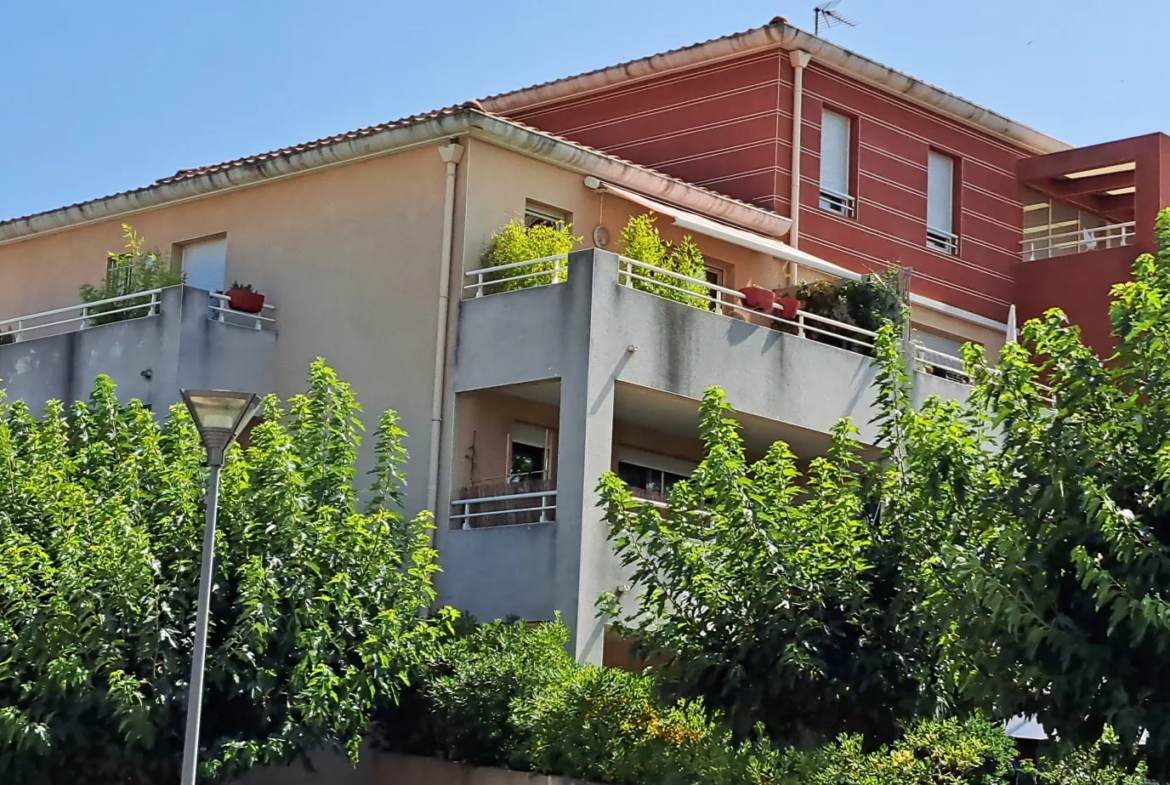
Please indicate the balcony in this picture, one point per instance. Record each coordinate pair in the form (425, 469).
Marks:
(150, 343)
(588, 357)
(803, 370)
(1048, 245)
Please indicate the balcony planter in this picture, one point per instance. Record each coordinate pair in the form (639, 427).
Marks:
(245, 300)
(787, 307)
(758, 299)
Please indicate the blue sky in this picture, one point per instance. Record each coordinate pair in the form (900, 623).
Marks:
(102, 97)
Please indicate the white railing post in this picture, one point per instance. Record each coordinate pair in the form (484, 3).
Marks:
(479, 285)
(19, 329)
(800, 324)
(84, 317)
(156, 303)
(543, 509)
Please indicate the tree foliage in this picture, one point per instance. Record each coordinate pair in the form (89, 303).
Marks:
(515, 242)
(315, 606)
(1009, 551)
(780, 596)
(642, 243)
(134, 270)
(1066, 561)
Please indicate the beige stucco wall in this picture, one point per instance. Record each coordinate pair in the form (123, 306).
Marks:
(485, 419)
(349, 255)
(501, 181)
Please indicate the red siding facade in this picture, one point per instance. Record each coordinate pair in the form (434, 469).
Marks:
(728, 126)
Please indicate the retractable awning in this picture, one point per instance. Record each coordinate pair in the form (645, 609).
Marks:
(699, 224)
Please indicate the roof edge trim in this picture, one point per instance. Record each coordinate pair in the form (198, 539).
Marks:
(781, 35)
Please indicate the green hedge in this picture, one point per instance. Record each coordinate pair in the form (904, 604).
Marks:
(508, 695)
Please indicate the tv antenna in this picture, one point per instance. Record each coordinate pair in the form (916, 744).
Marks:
(827, 13)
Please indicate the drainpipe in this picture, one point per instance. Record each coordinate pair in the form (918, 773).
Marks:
(799, 61)
(451, 155)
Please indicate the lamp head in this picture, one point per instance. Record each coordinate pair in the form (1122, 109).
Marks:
(220, 416)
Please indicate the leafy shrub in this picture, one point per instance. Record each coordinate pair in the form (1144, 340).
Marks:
(607, 725)
(515, 242)
(133, 270)
(460, 702)
(642, 243)
(867, 303)
(1103, 763)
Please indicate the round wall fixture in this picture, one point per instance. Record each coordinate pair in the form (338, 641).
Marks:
(600, 236)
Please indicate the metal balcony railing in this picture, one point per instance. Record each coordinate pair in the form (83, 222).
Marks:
(1047, 246)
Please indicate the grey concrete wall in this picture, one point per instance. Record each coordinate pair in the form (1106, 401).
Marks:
(584, 332)
(376, 768)
(148, 358)
(499, 571)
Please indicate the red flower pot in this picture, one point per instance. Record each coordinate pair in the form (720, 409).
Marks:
(243, 300)
(758, 298)
(788, 307)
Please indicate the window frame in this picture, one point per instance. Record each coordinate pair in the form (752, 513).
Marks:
(843, 205)
(939, 240)
(540, 214)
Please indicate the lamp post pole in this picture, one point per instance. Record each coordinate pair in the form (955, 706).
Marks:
(220, 416)
(203, 613)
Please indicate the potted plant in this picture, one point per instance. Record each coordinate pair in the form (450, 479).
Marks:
(788, 307)
(758, 298)
(242, 297)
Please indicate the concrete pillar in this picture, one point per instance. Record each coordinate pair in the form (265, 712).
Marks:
(584, 555)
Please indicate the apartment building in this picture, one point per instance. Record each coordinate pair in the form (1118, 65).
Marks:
(369, 247)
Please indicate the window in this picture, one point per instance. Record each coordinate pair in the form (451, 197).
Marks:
(835, 133)
(715, 278)
(529, 453)
(643, 478)
(940, 203)
(205, 264)
(540, 215)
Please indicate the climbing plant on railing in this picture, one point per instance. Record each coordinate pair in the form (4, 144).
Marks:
(642, 243)
(134, 270)
(515, 242)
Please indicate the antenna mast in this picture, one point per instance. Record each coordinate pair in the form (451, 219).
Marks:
(825, 12)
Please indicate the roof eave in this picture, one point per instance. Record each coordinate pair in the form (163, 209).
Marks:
(784, 36)
(468, 121)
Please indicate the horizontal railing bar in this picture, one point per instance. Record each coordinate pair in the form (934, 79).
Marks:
(1080, 232)
(818, 318)
(525, 276)
(465, 515)
(79, 306)
(838, 194)
(227, 298)
(532, 495)
(243, 314)
(33, 327)
(513, 265)
(800, 317)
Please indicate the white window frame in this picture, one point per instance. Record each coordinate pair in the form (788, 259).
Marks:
(535, 213)
(940, 234)
(834, 195)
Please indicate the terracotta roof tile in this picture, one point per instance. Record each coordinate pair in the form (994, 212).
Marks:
(469, 106)
(186, 174)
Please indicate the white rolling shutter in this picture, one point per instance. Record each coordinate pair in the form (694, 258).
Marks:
(205, 264)
(835, 152)
(940, 192)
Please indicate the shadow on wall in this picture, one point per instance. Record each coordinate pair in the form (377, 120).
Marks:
(378, 768)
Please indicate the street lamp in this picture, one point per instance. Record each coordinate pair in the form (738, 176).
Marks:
(220, 416)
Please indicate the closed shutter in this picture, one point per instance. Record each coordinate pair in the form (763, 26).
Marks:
(205, 264)
(835, 152)
(940, 192)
